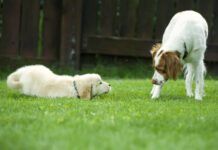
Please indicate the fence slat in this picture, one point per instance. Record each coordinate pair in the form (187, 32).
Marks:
(118, 46)
(145, 21)
(78, 18)
(164, 14)
(128, 9)
(214, 32)
(10, 28)
(108, 12)
(211, 53)
(1, 14)
(29, 28)
(182, 5)
(205, 8)
(51, 34)
(68, 29)
(89, 20)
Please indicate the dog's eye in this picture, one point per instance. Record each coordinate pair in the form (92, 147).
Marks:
(160, 70)
(100, 82)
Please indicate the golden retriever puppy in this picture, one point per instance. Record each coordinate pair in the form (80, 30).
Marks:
(38, 80)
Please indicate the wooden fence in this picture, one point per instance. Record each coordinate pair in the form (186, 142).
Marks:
(40, 29)
(58, 29)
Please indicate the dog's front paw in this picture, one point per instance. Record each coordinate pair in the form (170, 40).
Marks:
(155, 96)
(198, 97)
(190, 94)
(155, 92)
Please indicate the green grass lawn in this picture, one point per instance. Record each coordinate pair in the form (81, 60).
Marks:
(125, 119)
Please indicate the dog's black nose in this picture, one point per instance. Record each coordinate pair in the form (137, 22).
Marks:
(109, 85)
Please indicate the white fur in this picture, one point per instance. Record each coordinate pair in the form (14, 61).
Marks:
(38, 80)
(155, 92)
(187, 28)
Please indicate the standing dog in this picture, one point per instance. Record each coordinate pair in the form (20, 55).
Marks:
(183, 44)
(38, 80)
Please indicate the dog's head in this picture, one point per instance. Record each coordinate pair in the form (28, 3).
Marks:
(166, 65)
(91, 85)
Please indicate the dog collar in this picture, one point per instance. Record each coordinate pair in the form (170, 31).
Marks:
(75, 87)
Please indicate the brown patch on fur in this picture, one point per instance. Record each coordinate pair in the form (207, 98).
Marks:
(84, 89)
(86, 92)
(161, 68)
(169, 65)
(154, 49)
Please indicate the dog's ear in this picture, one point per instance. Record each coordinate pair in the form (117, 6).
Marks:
(86, 91)
(173, 65)
(154, 49)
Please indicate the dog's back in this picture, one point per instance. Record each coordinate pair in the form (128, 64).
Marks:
(187, 31)
(38, 80)
(186, 22)
(26, 76)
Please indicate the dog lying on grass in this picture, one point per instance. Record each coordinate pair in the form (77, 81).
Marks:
(38, 80)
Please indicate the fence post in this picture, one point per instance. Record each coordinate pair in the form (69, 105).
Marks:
(79, 15)
(29, 28)
(51, 32)
(71, 31)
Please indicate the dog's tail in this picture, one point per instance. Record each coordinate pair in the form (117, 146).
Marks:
(13, 80)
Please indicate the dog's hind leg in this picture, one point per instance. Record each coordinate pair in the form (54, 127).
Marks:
(199, 79)
(189, 74)
(204, 74)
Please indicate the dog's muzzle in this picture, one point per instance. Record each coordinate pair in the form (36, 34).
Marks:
(153, 81)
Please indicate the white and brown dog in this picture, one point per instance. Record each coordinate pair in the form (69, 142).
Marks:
(183, 44)
(38, 80)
